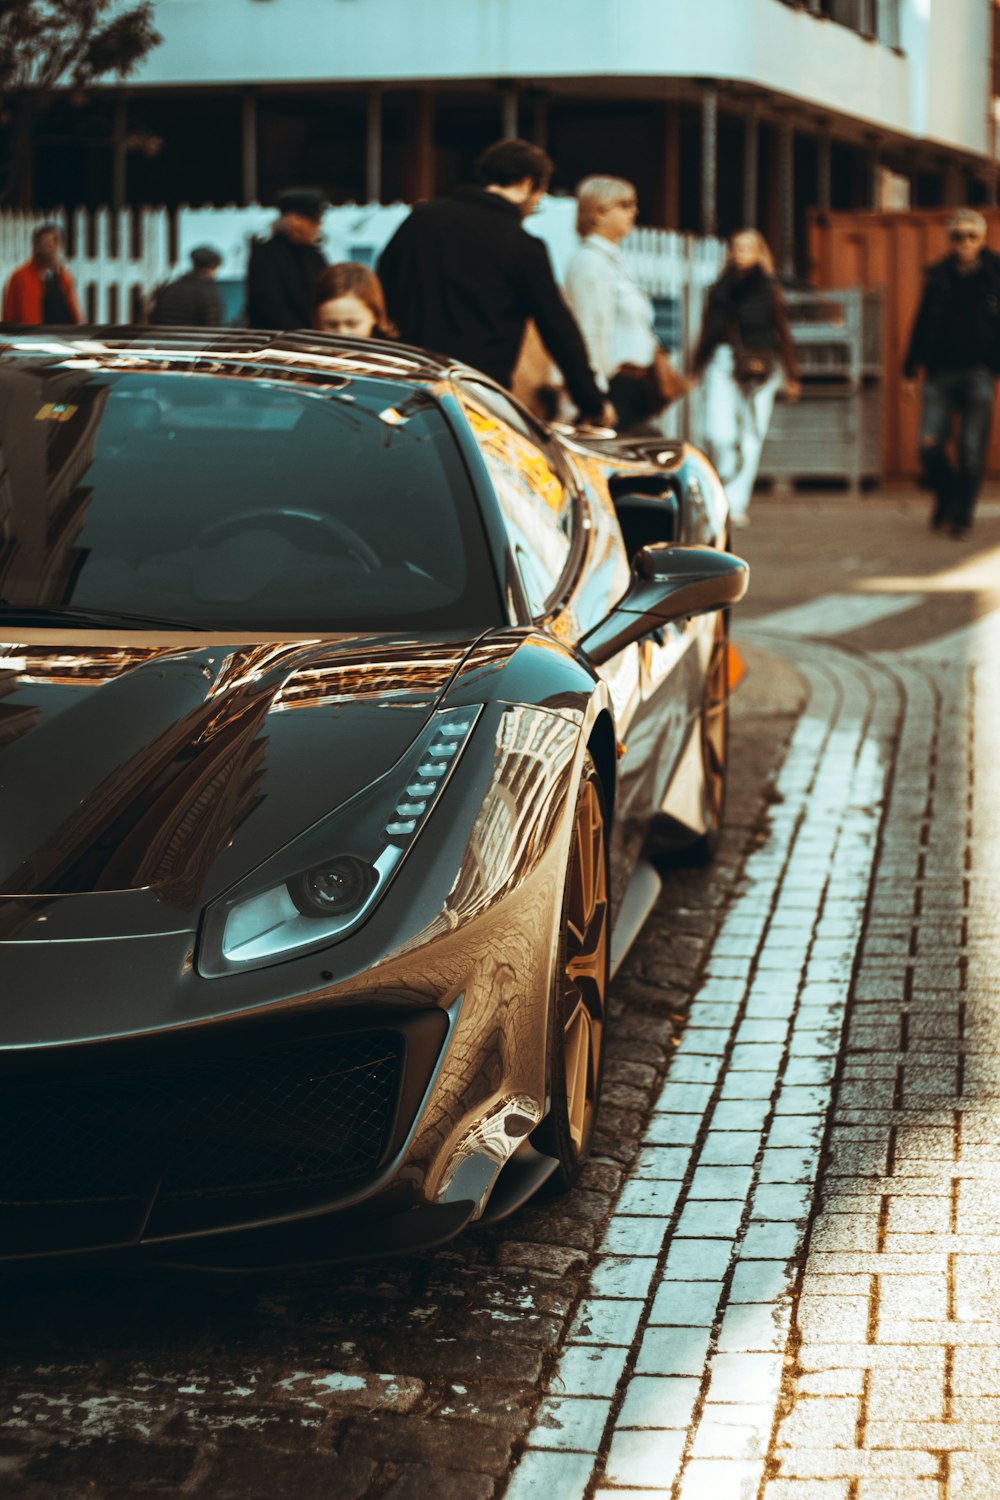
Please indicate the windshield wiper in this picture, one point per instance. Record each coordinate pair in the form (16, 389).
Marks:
(60, 614)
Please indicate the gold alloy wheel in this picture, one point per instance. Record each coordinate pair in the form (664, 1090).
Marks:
(585, 966)
(715, 723)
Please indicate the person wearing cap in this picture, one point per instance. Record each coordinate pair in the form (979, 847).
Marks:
(284, 270)
(462, 276)
(955, 342)
(191, 300)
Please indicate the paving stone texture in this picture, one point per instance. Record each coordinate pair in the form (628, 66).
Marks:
(778, 1279)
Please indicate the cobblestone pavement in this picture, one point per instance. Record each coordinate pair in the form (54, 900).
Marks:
(776, 1280)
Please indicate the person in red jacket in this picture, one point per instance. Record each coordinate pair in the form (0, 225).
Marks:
(41, 291)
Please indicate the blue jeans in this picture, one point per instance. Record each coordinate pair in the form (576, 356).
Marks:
(967, 394)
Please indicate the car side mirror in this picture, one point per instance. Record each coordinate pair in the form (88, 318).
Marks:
(668, 583)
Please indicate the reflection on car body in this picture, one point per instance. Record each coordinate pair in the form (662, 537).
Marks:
(339, 701)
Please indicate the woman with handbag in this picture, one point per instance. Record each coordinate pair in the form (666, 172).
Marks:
(614, 312)
(744, 352)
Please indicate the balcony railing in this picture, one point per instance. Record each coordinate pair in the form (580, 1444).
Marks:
(877, 19)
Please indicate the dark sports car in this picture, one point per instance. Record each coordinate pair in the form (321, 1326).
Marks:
(339, 701)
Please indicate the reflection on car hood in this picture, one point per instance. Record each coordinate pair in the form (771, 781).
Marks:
(141, 765)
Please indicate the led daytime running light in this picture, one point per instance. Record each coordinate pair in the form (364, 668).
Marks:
(266, 922)
(412, 807)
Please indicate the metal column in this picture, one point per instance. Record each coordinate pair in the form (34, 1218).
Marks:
(666, 209)
(119, 155)
(786, 197)
(709, 161)
(751, 166)
(824, 171)
(508, 112)
(954, 185)
(419, 163)
(249, 146)
(373, 148)
(540, 119)
(874, 174)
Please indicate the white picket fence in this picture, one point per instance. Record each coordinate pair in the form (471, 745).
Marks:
(118, 259)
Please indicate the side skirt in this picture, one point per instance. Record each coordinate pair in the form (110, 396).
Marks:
(681, 817)
(641, 896)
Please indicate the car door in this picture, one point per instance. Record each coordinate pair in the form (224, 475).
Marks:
(677, 659)
(572, 560)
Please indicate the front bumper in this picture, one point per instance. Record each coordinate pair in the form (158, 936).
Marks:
(149, 1144)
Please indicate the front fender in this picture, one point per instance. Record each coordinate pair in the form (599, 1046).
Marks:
(528, 666)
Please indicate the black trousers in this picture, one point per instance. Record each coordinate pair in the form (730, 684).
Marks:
(967, 395)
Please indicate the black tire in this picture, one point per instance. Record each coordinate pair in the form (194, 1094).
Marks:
(579, 991)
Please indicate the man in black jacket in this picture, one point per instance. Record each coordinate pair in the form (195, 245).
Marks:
(956, 341)
(284, 269)
(191, 300)
(463, 276)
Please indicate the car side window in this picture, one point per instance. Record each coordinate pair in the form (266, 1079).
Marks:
(538, 506)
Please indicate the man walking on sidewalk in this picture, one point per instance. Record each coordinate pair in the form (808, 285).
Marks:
(956, 341)
(463, 276)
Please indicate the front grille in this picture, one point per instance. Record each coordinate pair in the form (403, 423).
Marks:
(312, 1114)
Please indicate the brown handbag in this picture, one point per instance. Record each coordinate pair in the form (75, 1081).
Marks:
(753, 368)
(664, 383)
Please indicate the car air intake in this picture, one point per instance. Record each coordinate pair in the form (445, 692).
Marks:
(311, 1115)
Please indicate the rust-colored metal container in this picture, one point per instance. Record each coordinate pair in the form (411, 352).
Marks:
(890, 251)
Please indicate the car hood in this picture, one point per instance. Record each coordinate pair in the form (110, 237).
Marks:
(175, 769)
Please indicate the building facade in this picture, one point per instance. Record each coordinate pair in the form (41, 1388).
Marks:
(724, 112)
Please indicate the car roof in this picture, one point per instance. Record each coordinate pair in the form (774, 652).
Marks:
(238, 349)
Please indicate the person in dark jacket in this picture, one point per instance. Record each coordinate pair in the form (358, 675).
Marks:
(191, 300)
(462, 276)
(284, 269)
(744, 352)
(956, 343)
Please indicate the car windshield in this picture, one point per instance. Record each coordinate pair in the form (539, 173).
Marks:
(207, 500)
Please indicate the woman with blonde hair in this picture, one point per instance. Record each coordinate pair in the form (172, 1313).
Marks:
(614, 312)
(348, 299)
(744, 352)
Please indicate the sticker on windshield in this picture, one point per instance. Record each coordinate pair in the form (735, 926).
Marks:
(55, 411)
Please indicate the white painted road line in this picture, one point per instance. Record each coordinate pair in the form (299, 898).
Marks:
(975, 644)
(835, 614)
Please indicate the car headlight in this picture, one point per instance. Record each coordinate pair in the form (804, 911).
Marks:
(338, 871)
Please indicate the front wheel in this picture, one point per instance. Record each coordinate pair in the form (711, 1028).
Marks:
(580, 986)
